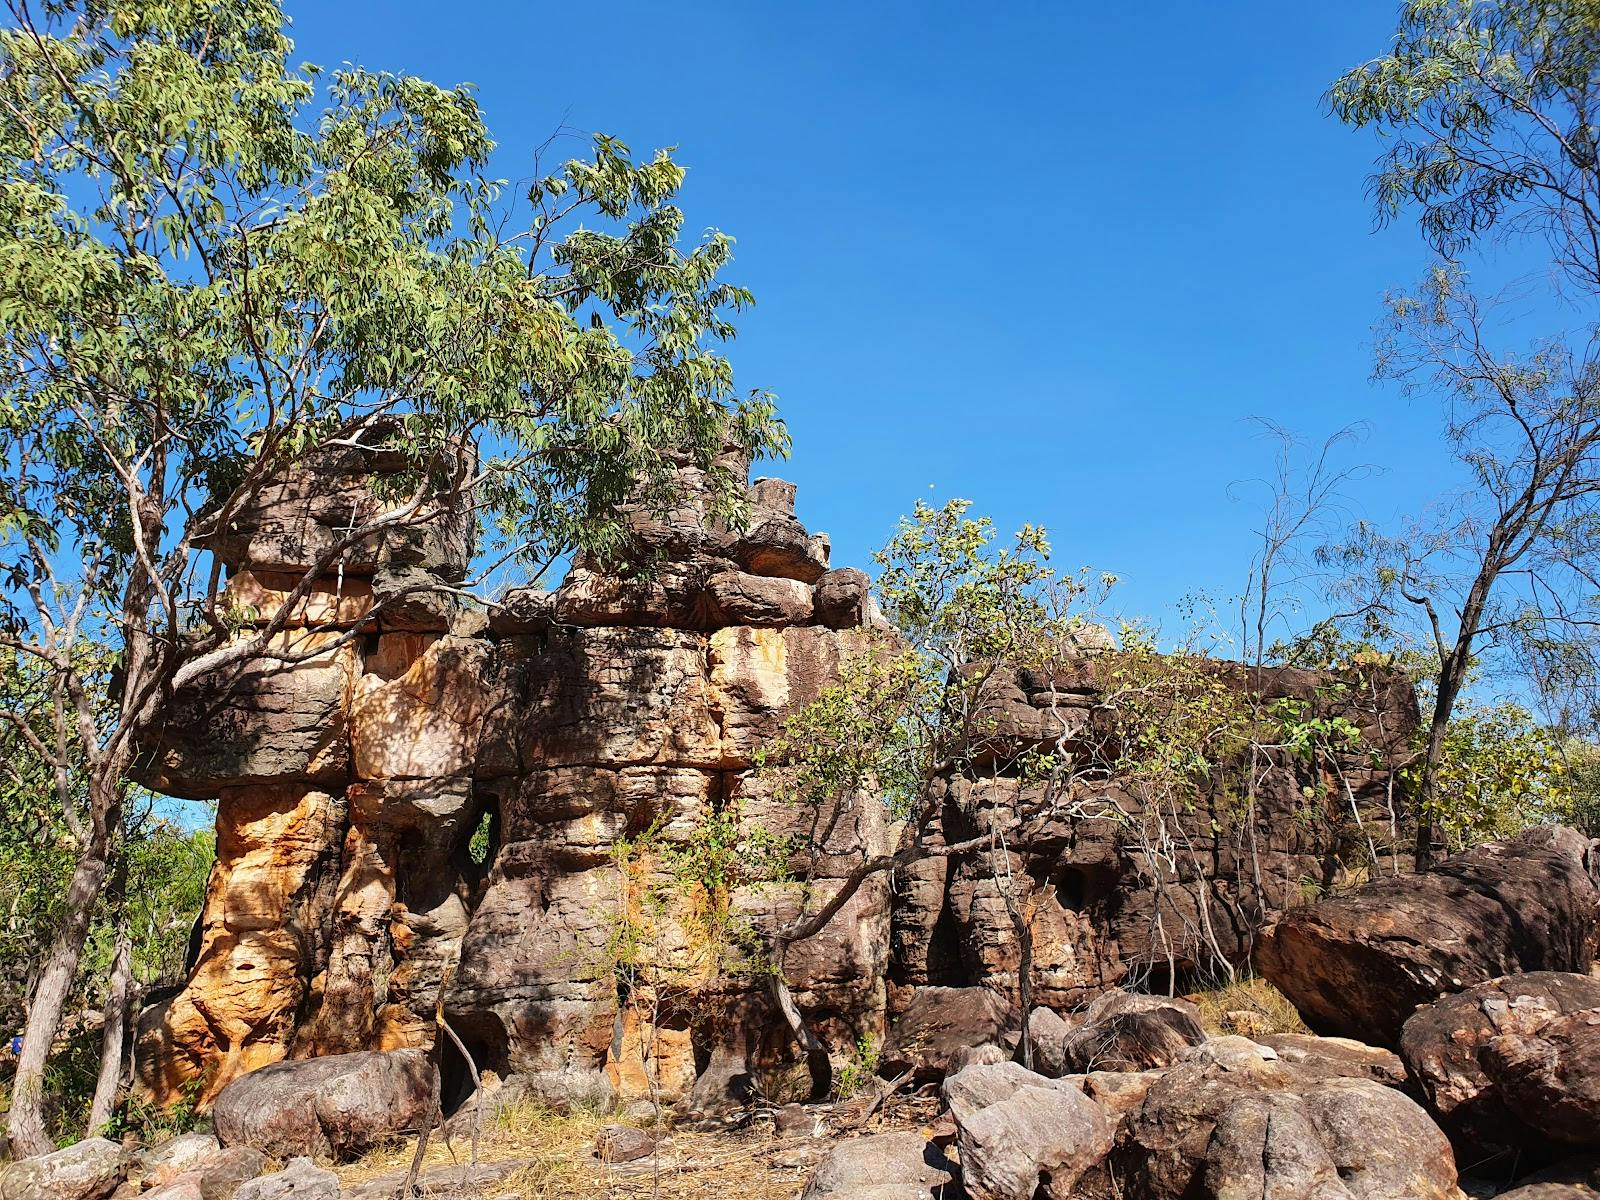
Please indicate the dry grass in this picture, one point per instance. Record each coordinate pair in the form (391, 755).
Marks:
(1249, 1007)
(557, 1153)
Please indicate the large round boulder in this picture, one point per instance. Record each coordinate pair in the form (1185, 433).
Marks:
(1128, 1031)
(1234, 1121)
(1359, 965)
(337, 1107)
(938, 1024)
(1446, 1047)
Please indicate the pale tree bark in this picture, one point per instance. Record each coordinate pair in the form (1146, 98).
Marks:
(113, 1034)
(26, 1127)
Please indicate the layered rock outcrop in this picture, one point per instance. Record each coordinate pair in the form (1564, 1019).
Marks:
(423, 804)
(389, 724)
(1127, 884)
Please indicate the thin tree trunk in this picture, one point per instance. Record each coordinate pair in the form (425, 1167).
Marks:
(1024, 980)
(113, 1037)
(817, 1061)
(25, 1126)
(1453, 669)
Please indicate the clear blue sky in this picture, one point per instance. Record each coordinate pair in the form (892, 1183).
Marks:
(1051, 257)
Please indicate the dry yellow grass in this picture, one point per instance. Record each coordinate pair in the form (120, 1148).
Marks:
(557, 1153)
(1249, 1007)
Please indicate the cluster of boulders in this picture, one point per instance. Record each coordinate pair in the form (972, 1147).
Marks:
(1477, 1072)
(192, 1166)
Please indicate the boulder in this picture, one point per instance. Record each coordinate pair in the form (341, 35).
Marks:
(623, 1143)
(300, 1180)
(884, 1166)
(741, 599)
(842, 599)
(86, 1170)
(1572, 1179)
(1048, 1031)
(183, 1187)
(1036, 1140)
(1336, 1058)
(972, 1089)
(339, 1106)
(795, 1121)
(1445, 1047)
(1127, 1031)
(175, 1156)
(1359, 965)
(1118, 1093)
(1546, 1065)
(218, 1176)
(937, 1024)
(1231, 1122)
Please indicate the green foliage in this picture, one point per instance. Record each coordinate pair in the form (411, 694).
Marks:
(1502, 772)
(153, 1125)
(1489, 108)
(683, 887)
(213, 263)
(1488, 113)
(859, 1071)
(966, 608)
(1583, 785)
(1175, 716)
(199, 237)
(478, 845)
(165, 866)
(864, 733)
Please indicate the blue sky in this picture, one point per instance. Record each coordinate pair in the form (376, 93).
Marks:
(1051, 257)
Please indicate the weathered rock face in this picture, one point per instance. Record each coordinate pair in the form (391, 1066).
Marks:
(1152, 889)
(1360, 964)
(351, 781)
(419, 802)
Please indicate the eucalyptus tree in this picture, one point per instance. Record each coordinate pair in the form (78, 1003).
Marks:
(214, 263)
(1489, 114)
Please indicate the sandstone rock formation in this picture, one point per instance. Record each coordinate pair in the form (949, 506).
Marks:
(1358, 965)
(389, 723)
(1152, 891)
(421, 801)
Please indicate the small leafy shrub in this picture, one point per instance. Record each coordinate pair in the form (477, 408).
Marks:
(859, 1069)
